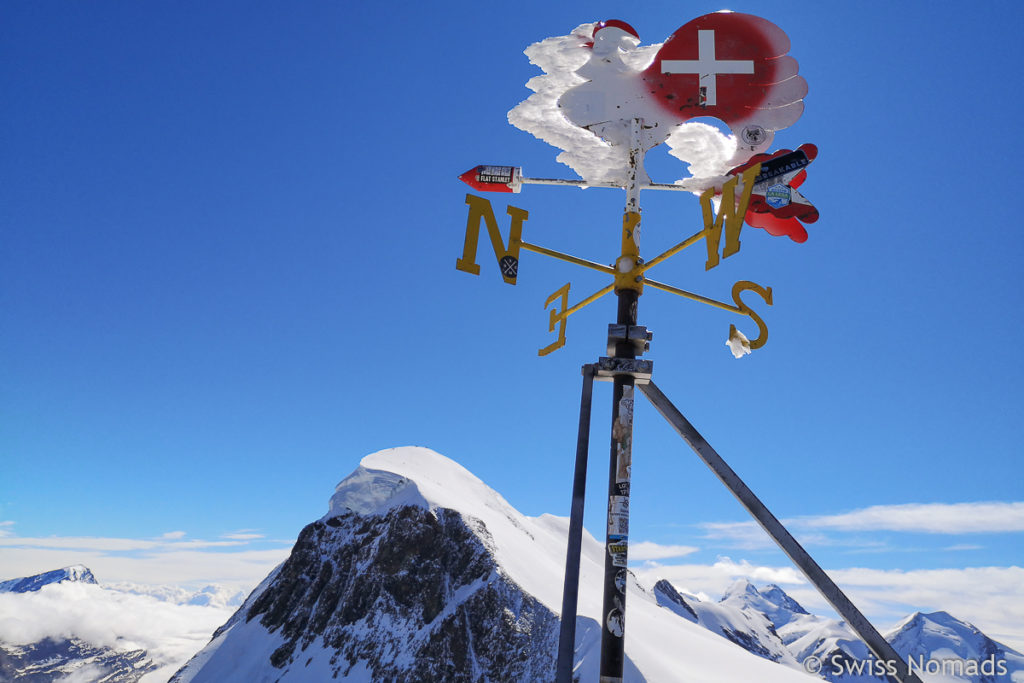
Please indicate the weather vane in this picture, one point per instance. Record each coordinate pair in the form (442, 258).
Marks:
(605, 101)
(615, 101)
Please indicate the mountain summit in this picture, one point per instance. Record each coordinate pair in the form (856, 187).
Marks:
(419, 571)
(773, 602)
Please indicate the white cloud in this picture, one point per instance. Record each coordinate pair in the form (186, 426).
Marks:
(111, 544)
(239, 570)
(170, 633)
(239, 561)
(646, 550)
(742, 535)
(80, 543)
(243, 535)
(929, 518)
(87, 674)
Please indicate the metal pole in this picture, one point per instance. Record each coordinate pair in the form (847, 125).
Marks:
(571, 588)
(617, 539)
(814, 573)
(627, 288)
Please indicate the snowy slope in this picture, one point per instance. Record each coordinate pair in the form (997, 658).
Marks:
(823, 639)
(502, 573)
(735, 621)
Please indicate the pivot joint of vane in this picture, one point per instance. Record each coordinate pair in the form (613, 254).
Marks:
(636, 335)
(607, 369)
(628, 272)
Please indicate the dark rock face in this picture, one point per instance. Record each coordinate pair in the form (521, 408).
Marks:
(51, 660)
(413, 595)
(667, 594)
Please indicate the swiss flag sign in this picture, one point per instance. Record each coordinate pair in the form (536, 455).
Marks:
(730, 66)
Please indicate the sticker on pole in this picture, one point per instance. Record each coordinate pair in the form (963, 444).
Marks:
(618, 548)
(615, 622)
(618, 516)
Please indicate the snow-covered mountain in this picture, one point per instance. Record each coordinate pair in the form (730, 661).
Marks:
(420, 572)
(62, 625)
(772, 602)
(925, 640)
(749, 628)
(938, 636)
(71, 659)
(75, 573)
(60, 658)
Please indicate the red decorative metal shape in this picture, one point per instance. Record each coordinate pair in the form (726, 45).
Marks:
(775, 204)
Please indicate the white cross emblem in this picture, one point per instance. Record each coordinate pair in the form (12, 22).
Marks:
(707, 67)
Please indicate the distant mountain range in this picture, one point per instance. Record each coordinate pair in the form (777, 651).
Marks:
(53, 659)
(420, 572)
(64, 626)
(773, 625)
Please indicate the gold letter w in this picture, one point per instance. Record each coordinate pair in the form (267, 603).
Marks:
(728, 213)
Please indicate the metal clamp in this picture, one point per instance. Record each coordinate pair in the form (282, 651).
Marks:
(640, 370)
(637, 335)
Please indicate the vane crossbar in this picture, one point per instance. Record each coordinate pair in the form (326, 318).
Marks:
(618, 186)
(789, 545)
(589, 300)
(537, 249)
(691, 296)
(693, 239)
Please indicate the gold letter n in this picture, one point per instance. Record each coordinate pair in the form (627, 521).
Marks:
(508, 257)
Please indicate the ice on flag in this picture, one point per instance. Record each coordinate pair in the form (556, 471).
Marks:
(725, 65)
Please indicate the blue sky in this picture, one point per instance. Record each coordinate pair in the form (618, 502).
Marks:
(227, 273)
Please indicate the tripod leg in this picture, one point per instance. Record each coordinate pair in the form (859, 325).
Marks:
(570, 591)
(814, 573)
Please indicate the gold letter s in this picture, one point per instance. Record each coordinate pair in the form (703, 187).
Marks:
(766, 294)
